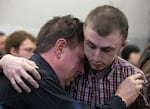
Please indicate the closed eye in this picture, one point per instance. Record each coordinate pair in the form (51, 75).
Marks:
(91, 45)
(107, 49)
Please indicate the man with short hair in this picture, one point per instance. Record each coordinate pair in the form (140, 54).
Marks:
(131, 53)
(105, 33)
(60, 40)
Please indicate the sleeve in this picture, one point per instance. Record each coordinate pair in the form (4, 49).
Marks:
(6, 90)
(1, 69)
(114, 103)
(4, 86)
(141, 102)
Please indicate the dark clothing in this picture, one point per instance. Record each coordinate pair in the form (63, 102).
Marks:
(1, 107)
(50, 95)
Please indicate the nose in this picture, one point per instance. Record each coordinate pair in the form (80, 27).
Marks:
(97, 56)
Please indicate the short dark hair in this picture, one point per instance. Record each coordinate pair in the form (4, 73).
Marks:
(67, 27)
(127, 50)
(2, 33)
(105, 19)
(15, 39)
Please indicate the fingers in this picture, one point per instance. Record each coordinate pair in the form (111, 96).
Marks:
(140, 87)
(17, 82)
(134, 84)
(31, 63)
(35, 73)
(31, 67)
(15, 69)
(139, 84)
(137, 80)
(22, 84)
(14, 84)
(28, 78)
(136, 76)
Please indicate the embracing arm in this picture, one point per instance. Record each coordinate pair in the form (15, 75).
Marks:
(15, 68)
(124, 95)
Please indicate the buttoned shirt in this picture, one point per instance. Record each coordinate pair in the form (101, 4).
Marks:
(94, 90)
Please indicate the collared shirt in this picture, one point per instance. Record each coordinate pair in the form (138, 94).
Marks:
(95, 90)
(50, 95)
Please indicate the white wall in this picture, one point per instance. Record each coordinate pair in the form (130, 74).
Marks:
(32, 14)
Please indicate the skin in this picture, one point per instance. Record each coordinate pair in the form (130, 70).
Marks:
(25, 50)
(61, 53)
(128, 95)
(101, 50)
(2, 43)
(134, 58)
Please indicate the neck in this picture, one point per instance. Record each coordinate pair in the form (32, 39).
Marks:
(52, 60)
(103, 72)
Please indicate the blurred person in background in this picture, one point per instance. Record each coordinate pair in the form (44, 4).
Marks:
(131, 53)
(144, 65)
(21, 44)
(3, 38)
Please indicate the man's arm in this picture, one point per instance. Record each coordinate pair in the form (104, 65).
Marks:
(51, 99)
(15, 68)
(11, 64)
(130, 88)
(7, 92)
(122, 99)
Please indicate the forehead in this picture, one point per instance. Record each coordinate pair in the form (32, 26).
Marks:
(79, 50)
(3, 37)
(113, 39)
(28, 42)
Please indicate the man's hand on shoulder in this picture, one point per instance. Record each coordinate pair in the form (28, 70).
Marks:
(15, 68)
(130, 88)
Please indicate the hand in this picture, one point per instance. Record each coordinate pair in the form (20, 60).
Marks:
(130, 88)
(15, 68)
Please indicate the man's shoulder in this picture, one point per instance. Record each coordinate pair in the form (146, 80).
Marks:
(125, 65)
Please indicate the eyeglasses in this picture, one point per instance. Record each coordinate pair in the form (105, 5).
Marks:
(28, 49)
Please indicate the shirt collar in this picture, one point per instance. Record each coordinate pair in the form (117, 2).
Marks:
(109, 72)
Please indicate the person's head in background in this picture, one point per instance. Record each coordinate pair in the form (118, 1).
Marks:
(105, 33)
(60, 43)
(131, 53)
(3, 38)
(144, 65)
(21, 44)
(144, 61)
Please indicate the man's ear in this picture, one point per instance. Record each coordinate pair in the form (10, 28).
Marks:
(59, 46)
(124, 43)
